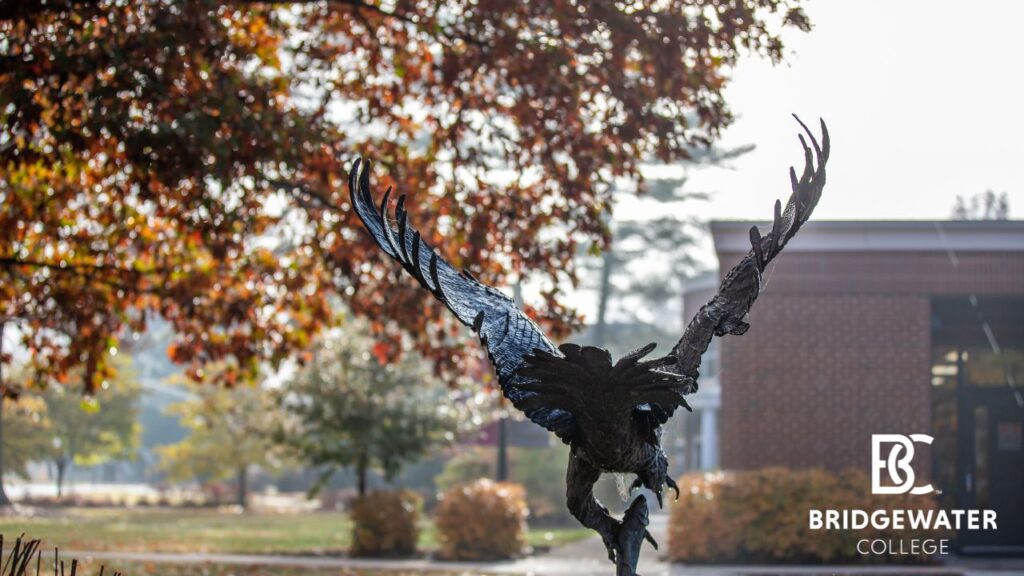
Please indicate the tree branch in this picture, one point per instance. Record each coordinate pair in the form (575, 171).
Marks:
(303, 194)
(363, 5)
(87, 272)
(11, 262)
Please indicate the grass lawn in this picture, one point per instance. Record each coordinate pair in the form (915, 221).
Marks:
(151, 569)
(170, 530)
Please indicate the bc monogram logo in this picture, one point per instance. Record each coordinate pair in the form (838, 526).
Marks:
(898, 463)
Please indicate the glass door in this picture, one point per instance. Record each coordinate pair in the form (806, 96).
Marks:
(993, 471)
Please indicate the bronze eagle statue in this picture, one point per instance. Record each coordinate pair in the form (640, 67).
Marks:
(609, 413)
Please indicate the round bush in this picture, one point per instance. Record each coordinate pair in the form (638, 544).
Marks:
(698, 531)
(483, 520)
(385, 523)
(533, 468)
(761, 516)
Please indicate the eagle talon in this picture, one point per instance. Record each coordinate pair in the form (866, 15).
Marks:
(672, 484)
(637, 483)
(650, 538)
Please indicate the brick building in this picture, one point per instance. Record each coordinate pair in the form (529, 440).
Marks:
(884, 327)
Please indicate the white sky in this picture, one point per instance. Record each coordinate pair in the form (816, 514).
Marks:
(924, 101)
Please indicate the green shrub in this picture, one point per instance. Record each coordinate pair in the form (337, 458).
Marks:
(762, 517)
(541, 471)
(385, 523)
(466, 466)
(483, 520)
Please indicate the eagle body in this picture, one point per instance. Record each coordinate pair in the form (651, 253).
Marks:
(609, 412)
(618, 408)
(614, 448)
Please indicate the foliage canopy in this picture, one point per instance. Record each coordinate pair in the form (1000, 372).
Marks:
(229, 430)
(186, 158)
(346, 408)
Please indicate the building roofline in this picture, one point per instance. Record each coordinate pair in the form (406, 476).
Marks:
(882, 235)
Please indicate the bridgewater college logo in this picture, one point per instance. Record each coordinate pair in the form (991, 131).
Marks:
(897, 463)
(894, 453)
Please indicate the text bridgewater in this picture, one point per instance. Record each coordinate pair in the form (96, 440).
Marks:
(902, 519)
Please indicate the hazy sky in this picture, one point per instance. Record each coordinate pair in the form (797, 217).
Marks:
(924, 101)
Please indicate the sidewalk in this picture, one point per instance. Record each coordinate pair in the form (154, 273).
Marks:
(584, 558)
(559, 565)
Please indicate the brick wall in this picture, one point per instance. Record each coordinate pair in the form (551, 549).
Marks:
(839, 349)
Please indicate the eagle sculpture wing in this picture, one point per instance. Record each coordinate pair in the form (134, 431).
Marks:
(726, 312)
(505, 331)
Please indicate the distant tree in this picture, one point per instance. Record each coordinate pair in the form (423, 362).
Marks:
(467, 465)
(229, 433)
(646, 262)
(25, 437)
(984, 206)
(88, 430)
(539, 470)
(187, 159)
(7, 391)
(347, 408)
(29, 436)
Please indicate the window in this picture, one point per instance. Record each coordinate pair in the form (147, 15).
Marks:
(709, 361)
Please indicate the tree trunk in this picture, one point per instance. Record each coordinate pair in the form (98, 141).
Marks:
(62, 466)
(362, 469)
(4, 500)
(604, 294)
(242, 496)
(502, 467)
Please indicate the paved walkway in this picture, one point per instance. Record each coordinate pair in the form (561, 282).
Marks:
(584, 558)
(560, 565)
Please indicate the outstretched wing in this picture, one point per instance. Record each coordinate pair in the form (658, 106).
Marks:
(726, 312)
(505, 331)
